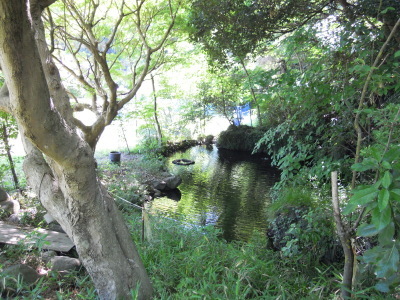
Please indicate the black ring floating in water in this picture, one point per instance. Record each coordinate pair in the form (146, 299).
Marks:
(183, 162)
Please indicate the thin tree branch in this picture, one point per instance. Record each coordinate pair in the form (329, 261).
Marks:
(361, 102)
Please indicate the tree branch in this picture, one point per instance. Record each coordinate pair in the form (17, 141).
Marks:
(361, 102)
(45, 3)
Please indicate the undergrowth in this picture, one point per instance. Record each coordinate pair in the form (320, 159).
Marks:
(194, 262)
(188, 262)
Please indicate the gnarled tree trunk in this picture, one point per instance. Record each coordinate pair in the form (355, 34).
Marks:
(59, 165)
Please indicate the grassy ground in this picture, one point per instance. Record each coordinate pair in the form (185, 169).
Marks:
(184, 262)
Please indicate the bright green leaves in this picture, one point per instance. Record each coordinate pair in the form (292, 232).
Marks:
(385, 188)
(385, 260)
(362, 196)
(367, 230)
(389, 263)
(368, 164)
(381, 201)
(381, 218)
(395, 194)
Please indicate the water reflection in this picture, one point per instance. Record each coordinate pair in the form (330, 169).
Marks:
(224, 188)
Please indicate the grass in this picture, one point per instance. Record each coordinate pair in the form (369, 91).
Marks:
(187, 262)
(192, 262)
(195, 263)
(126, 178)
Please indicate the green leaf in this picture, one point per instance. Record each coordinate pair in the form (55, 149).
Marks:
(386, 180)
(385, 12)
(362, 195)
(372, 255)
(395, 194)
(389, 262)
(386, 165)
(381, 218)
(383, 199)
(386, 236)
(366, 164)
(365, 195)
(382, 287)
(393, 153)
(397, 54)
(367, 230)
(350, 207)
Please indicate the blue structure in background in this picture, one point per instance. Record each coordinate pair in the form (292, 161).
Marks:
(241, 112)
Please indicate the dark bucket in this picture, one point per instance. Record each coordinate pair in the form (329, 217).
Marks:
(115, 156)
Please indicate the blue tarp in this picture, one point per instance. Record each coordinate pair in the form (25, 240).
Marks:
(241, 111)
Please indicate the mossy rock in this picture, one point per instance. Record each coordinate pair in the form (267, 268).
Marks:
(240, 138)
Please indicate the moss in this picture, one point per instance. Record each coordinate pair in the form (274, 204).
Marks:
(292, 197)
(240, 138)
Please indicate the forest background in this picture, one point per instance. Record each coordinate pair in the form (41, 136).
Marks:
(322, 79)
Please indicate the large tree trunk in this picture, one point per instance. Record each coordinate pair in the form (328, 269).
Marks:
(59, 165)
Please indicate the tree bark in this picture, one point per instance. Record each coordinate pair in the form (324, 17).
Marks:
(159, 132)
(9, 156)
(345, 240)
(65, 179)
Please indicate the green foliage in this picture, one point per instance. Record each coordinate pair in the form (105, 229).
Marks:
(6, 176)
(235, 28)
(8, 133)
(126, 179)
(292, 197)
(33, 212)
(310, 97)
(34, 240)
(301, 226)
(380, 202)
(241, 138)
(186, 262)
(221, 91)
(314, 234)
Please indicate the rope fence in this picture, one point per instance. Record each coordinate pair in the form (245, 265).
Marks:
(146, 230)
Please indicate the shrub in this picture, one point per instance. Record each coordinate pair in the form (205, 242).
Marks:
(301, 226)
(241, 138)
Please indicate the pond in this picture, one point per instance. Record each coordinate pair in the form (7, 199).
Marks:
(227, 189)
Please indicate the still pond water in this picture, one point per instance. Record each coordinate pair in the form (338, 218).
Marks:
(227, 189)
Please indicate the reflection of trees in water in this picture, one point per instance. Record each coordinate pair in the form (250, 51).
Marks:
(225, 188)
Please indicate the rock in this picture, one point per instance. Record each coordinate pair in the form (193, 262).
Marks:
(48, 255)
(165, 174)
(64, 263)
(11, 206)
(4, 196)
(48, 218)
(28, 274)
(277, 231)
(56, 227)
(157, 193)
(209, 139)
(14, 218)
(169, 183)
(7, 203)
(174, 194)
(172, 182)
(159, 184)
